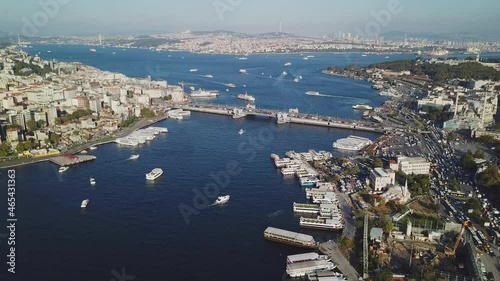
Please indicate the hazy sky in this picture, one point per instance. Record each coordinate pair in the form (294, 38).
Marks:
(311, 17)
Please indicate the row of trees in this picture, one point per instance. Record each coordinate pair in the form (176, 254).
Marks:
(442, 72)
(73, 116)
(32, 67)
(467, 159)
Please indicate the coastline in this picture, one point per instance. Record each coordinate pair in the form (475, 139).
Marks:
(77, 149)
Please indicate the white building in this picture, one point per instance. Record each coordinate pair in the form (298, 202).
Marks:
(413, 165)
(381, 178)
(438, 101)
(95, 105)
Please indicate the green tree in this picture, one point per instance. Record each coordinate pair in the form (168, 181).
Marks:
(479, 154)
(468, 161)
(31, 125)
(387, 225)
(377, 163)
(53, 138)
(383, 275)
(455, 184)
(4, 149)
(41, 123)
(490, 177)
(147, 113)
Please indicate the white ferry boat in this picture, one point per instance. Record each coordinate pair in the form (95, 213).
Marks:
(362, 107)
(93, 50)
(288, 64)
(308, 181)
(208, 76)
(204, 94)
(321, 223)
(134, 157)
(288, 171)
(63, 169)
(85, 203)
(289, 237)
(305, 58)
(307, 267)
(154, 174)
(246, 97)
(352, 143)
(230, 85)
(241, 131)
(193, 70)
(243, 71)
(312, 93)
(92, 181)
(222, 199)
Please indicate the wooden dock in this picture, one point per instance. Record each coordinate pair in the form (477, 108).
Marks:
(69, 159)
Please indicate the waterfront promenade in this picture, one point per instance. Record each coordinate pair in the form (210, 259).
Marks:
(78, 148)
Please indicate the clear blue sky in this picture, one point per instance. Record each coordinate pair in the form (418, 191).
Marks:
(311, 17)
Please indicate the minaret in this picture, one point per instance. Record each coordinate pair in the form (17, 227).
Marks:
(456, 106)
(405, 191)
(100, 39)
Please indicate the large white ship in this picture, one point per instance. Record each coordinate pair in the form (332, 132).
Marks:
(246, 97)
(321, 223)
(154, 174)
(200, 93)
(307, 267)
(353, 143)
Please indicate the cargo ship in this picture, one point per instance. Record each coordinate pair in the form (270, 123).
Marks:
(289, 237)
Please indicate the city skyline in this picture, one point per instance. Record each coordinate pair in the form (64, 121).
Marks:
(72, 17)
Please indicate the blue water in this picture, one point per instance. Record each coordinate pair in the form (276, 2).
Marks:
(136, 225)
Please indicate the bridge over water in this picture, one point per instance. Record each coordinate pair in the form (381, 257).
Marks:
(292, 116)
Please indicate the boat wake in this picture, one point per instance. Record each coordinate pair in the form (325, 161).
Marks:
(275, 214)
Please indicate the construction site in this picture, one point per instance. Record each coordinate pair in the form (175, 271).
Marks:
(447, 253)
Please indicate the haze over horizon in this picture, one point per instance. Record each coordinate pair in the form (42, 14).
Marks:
(74, 17)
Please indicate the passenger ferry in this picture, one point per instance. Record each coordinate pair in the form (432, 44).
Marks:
(362, 107)
(308, 181)
(154, 174)
(246, 97)
(290, 237)
(321, 223)
(312, 93)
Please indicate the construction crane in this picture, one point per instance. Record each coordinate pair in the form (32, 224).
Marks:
(450, 252)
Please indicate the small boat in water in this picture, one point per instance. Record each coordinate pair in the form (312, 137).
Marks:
(92, 148)
(222, 199)
(92, 181)
(208, 76)
(85, 203)
(193, 70)
(241, 132)
(83, 151)
(134, 157)
(154, 174)
(312, 93)
(63, 169)
(288, 64)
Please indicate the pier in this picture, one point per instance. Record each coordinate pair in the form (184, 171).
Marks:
(291, 117)
(331, 249)
(69, 159)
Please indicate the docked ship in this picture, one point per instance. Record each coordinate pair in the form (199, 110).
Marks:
(154, 174)
(308, 181)
(274, 157)
(246, 97)
(439, 53)
(302, 268)
(92, 148)
(352, 143)
(321, 223)
(362, 107)
(306, 257)
(127, 141)
(290, 237)
(63, 169)
(85, 203)
(222, 199)
(200, 93)
(312, 93)
(243, 71)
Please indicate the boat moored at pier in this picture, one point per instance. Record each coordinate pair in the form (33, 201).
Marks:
(290, 237)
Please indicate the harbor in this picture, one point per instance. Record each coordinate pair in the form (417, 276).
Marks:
(70, 159)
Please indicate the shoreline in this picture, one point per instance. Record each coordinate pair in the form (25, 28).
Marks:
(77, 149)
